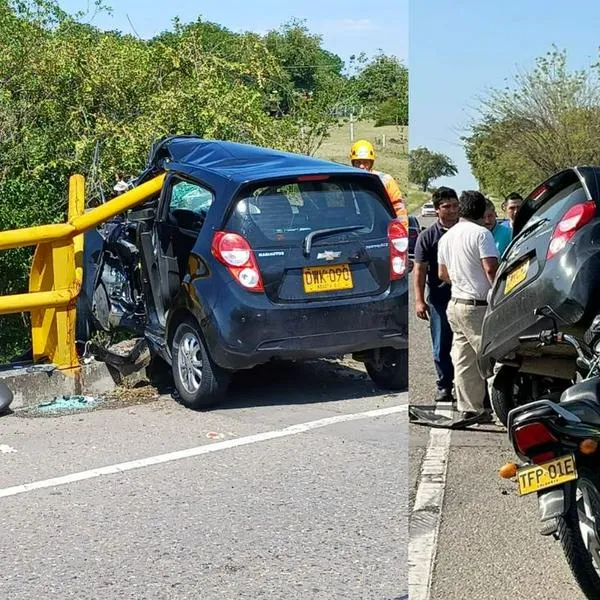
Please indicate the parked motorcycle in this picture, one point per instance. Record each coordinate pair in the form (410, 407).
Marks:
(557, 441)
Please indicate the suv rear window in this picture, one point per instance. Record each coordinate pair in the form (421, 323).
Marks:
(280, 214)
(550, 200)
(558, 204)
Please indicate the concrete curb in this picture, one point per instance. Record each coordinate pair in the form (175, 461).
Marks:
(33, 384)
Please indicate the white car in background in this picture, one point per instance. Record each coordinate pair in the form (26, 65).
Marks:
(428, 210)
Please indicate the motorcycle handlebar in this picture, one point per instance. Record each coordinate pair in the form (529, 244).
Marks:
(557, 337)
(545, 337)
(530, 338)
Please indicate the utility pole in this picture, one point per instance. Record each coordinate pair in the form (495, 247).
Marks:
(351, 127)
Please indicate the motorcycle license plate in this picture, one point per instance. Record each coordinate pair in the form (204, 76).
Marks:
(327, 279)
(516, 277)
(549, 474)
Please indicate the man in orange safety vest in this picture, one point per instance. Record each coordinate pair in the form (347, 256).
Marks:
(362, 156)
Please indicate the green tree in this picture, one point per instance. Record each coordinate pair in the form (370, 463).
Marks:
(68, 90)
(389, 113)
(383, 80)
(312, 85)
(548, 119)
(424, 166)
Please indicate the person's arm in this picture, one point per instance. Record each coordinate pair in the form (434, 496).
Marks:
(419, 276)
(443, 273)
(422, 252)
(488, 254)
(442, 261)
(490, 266)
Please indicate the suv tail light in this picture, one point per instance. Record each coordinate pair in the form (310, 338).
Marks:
(575, 218)
(532, 435)
(398, 239)
(236, 254)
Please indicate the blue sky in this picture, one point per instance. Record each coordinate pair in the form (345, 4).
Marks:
(347, 26)
(459, 48)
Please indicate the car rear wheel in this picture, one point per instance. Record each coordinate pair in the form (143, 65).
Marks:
(389, 370)
(200, 383)
(510, 389)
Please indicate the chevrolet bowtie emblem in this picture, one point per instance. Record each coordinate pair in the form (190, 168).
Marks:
(328, 255)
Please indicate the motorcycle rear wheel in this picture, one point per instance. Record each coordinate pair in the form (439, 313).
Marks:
(579, 533)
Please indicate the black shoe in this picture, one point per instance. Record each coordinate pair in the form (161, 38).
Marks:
(472, 418)
(444, 396)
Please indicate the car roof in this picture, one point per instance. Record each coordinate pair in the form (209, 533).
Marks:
(238, 163)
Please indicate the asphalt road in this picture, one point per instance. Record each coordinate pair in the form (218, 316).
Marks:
(318, 511)
(489, 546)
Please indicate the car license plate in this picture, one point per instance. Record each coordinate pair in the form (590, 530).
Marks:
(548, 474)
(516, 277)
(327, 279)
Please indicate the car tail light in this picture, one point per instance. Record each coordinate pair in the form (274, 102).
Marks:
(236, 254)
(398, 239)
(575, 218)
(539, 192)
(532, 435)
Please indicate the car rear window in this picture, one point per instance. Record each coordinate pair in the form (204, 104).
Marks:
(555, 206)
(280, 214)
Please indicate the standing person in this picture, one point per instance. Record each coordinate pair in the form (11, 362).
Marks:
(468, 259)
(511, 206)
(445, 202)
(502, 235)
(362, 156)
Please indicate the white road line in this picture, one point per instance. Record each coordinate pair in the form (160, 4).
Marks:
(427, 511)
(197, 451)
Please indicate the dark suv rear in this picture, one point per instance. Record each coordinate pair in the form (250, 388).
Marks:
(552, 264)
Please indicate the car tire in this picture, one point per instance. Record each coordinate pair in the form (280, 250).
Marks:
(199, 382)
(509, 390)
(585, 499)
(390, 372)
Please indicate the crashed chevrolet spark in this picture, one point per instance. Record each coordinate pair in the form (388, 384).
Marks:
(249, 255)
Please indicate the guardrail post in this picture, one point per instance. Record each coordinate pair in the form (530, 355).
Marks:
(58, 265)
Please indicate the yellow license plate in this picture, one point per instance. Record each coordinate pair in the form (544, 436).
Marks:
(539, 477)
(327, 279)
(516, 277)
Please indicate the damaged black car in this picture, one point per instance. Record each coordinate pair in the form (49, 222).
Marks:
(249, 255)
(548, 278)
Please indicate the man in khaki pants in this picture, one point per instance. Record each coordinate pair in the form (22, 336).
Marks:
(468, 259)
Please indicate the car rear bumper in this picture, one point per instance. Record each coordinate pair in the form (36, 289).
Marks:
(568, 288)
(243, 334)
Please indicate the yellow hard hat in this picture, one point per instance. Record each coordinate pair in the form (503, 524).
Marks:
(362, 150)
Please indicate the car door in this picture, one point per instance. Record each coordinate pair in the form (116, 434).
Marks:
(183, 208)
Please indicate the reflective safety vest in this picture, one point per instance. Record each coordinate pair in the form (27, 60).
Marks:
(395, 196)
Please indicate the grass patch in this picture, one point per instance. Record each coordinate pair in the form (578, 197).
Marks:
(392, 159)
(415, 198)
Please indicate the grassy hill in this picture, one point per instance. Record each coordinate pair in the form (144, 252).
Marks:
(393, 158)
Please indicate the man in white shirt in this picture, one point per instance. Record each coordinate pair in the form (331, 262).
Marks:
(468, 259)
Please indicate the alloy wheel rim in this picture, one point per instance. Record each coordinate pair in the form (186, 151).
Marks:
(587, 501)
(189, 363)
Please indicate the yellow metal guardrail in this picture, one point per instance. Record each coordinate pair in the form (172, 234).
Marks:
(57, 270)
